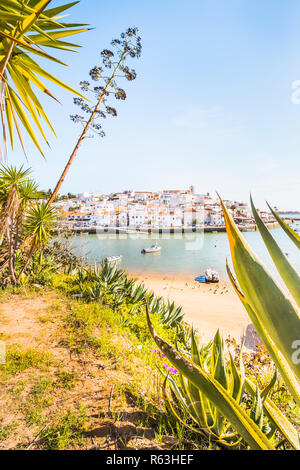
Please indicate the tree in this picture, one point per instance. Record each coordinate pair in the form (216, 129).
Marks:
(24, 224)
(129, 45)
(13, 200)
(25, 27)
(39, 221)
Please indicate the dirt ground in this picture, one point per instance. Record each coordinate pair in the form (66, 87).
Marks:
(113, 419)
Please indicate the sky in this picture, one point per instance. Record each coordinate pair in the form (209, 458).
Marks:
(213, 104)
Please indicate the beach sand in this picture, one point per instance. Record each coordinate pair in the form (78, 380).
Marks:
(206, 306)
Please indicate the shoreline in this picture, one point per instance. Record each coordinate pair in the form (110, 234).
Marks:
(208, 307)
(93, 230)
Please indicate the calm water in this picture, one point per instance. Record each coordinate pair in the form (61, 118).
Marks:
(188, 254)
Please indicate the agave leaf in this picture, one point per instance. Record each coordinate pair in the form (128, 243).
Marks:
(220, 374)
(285, 269)
(268, 388)
(283, 366)
(237, 382)
(220, 371)
(257, 409)
(195, 392)
(179, 397)
(288, 230)
(264, 295)
(214, 391)
(275, 415)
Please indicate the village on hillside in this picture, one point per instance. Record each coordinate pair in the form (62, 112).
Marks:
(166, 209)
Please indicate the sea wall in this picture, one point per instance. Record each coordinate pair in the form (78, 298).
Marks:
(170, 230)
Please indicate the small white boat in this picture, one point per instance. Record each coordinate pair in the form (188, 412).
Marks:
(151, 249)
(113, 259)
(211, 275)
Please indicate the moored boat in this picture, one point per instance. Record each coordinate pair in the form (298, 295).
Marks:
(209, 276)
(113, 259)
(151, 249)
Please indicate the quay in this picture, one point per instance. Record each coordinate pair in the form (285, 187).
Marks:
(171, 230)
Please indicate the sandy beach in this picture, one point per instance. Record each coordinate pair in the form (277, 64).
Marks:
(206, 306)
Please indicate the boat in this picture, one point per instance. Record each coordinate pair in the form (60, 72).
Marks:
(209, 276)
(113, 259)
(151, 249)
(200, 279)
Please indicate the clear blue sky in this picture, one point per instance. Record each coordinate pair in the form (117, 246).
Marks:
(211, 105)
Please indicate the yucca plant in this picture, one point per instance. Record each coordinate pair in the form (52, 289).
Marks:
(272, 312)
(26, 27)
(17, 191)
(39, 222)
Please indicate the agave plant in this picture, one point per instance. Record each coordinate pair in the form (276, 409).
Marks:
(184, 335)
(224, 398)
(100, 281)
(82, 276)
(172, 315)
(138, 296)
(192, 408)
(277, 322)
(195, 411)
(26, 27)
(272, 312)
(108, 273)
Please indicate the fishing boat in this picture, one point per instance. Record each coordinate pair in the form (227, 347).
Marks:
(209, 276)
(113, 259)
(151, 249)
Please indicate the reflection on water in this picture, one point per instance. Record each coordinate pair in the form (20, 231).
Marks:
(188, 254)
